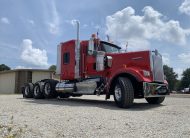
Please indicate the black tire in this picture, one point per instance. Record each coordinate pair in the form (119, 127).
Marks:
(27, 90)
(49, 89)
(155, 100)
(64, 95)
(38, 87)
(123, 93)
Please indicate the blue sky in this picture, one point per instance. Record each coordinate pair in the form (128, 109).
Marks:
(31, 30)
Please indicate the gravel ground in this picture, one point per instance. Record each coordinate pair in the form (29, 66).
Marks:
(92, 116)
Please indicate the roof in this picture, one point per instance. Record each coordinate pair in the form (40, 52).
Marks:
(16, 70)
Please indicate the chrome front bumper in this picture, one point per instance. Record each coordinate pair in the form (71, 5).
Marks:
(155, 89)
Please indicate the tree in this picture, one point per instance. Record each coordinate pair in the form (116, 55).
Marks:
(52, 68)
(171, 77)
(185, 80)
(4, 67)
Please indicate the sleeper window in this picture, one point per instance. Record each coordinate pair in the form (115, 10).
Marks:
(66, 58)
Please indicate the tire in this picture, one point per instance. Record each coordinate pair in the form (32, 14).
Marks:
(123, 93)
(27, 90)
(64, 95)
(49, 89)
(38, 91)
(155, 100)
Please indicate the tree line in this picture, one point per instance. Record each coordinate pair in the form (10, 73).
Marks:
(174, 83)
(171, 76)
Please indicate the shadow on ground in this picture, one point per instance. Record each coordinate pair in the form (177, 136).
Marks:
(76, 102)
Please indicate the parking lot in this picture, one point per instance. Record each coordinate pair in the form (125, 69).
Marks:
(92, 116)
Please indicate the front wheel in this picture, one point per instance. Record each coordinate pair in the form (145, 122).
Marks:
(155, 100)
(123, 92)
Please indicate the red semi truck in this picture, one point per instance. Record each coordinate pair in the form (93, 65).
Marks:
(95, 67)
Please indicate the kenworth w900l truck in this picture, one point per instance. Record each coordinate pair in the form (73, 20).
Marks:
(95, 67)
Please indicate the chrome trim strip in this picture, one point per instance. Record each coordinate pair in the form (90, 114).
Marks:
(151, 64)
(137, 58)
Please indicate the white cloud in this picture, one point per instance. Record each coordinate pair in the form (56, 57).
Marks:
(135, 44)
(185, 7)
(125, 26)
(54, 24)
(184, 57)
(22, 67)
(5, 20)
(33, 56)
(166, 58)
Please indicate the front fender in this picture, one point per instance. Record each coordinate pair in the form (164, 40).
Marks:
(135, 72)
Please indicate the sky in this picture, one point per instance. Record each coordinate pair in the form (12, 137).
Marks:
(31, 30)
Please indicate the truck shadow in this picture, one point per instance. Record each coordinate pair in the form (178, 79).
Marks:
(76, 102)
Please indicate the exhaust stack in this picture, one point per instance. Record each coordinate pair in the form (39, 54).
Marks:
(77, 52)
(78, 33)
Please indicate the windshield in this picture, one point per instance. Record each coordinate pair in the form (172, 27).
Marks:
(110, 48)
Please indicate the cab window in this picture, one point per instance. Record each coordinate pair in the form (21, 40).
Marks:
(109, 48)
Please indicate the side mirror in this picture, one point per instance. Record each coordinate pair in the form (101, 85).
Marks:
(91, 46)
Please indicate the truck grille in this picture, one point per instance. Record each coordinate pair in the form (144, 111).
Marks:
(157, 67)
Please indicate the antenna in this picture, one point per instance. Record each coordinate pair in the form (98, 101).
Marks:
(108, 38)
(98, 32)
(126, 47)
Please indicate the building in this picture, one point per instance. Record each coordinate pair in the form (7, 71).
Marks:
(11, 81)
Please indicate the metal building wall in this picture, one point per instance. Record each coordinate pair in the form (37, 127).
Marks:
(20, 79)
(7, 83)
(12, 81)
(37, 76)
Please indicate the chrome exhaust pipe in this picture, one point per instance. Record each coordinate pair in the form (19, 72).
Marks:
(77, 52)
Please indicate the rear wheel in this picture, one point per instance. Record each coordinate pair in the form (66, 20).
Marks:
(49, 89)
(155, 100)
(28, 90)
(123, 92)
(38, 91)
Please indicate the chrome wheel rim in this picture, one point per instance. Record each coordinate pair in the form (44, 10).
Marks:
(117, 92)
(47, 89)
